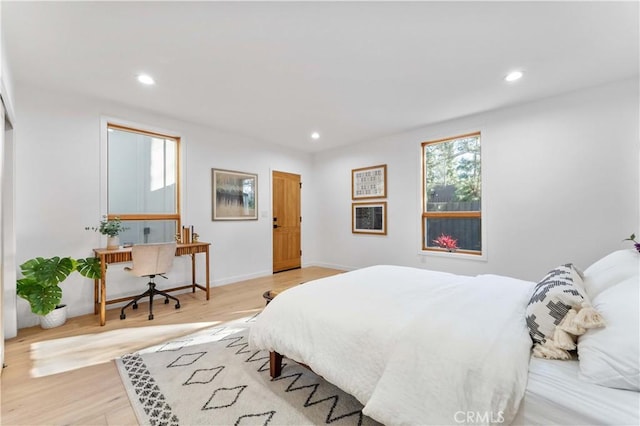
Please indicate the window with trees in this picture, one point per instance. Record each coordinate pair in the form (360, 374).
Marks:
(143, 185)
(452, 195)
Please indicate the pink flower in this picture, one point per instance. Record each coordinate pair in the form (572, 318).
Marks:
(446, 242)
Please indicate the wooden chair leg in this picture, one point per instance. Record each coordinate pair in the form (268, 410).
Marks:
(275, 364)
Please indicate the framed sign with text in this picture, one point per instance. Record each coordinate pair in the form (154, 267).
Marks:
(369, 182)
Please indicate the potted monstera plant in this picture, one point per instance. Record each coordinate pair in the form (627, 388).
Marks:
(40, 285)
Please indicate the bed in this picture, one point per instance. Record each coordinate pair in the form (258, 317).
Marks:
(423, 347)
(556, 395)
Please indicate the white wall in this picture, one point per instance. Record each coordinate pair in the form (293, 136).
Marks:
(561, 185)
(58, 192)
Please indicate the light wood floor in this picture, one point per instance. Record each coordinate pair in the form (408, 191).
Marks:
(95, 395)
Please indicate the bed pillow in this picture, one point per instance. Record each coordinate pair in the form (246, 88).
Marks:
(611, 270)
(610, 356)
(559, 311)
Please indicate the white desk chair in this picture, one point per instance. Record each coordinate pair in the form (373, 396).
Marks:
(150, 260)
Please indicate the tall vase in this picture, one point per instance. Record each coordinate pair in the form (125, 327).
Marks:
(113, 243)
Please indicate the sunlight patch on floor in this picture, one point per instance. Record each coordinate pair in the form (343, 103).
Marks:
(70, 353)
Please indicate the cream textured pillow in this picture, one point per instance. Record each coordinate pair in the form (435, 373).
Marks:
(558, 311)
(611, 356)
(611, 270)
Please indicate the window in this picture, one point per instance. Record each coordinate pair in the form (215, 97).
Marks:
(452, 195)
(143, 183)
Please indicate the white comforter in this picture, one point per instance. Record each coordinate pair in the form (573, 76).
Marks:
(414, 346)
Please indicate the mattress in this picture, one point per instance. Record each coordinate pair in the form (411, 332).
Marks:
(556, 395)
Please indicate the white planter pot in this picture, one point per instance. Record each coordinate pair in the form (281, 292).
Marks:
(55, 318)
(113, 243)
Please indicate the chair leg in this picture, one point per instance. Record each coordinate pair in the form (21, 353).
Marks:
(152, 291)
(134, 302)
(168, 296)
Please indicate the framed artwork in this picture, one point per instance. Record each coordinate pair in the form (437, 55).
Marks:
(369, 218)
(369, 182)
(234, 195)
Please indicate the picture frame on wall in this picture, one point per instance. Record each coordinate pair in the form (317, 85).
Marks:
(369, 182)
(369, 218)
(234, 195)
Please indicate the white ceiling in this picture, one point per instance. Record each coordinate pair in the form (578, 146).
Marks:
(352, 71)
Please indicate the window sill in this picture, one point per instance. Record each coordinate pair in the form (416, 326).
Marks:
(453, 255)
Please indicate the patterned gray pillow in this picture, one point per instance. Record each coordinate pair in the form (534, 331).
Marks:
(558, 292)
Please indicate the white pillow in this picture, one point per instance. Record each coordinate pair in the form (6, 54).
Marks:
(610, 356)
(611, 270)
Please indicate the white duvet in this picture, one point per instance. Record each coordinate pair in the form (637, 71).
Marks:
(413, 346)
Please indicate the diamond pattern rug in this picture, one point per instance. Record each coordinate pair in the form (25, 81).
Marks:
(212, 377)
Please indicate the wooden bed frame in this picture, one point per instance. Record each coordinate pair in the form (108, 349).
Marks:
(275, 364)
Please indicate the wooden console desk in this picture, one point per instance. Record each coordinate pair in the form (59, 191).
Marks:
(124, 255)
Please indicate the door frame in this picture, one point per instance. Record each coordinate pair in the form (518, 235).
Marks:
(8, 303)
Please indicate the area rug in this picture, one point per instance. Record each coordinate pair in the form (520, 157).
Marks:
(212, 377)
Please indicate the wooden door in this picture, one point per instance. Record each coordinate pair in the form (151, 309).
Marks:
(287, 251)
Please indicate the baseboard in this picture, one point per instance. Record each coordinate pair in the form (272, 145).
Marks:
(237, 278)
(330, 266)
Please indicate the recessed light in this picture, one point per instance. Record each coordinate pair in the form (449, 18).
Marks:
(146, 79)
(315, 135)
(513, 76)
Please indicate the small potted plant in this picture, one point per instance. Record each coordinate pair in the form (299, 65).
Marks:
(40, 285)
(111, 228)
